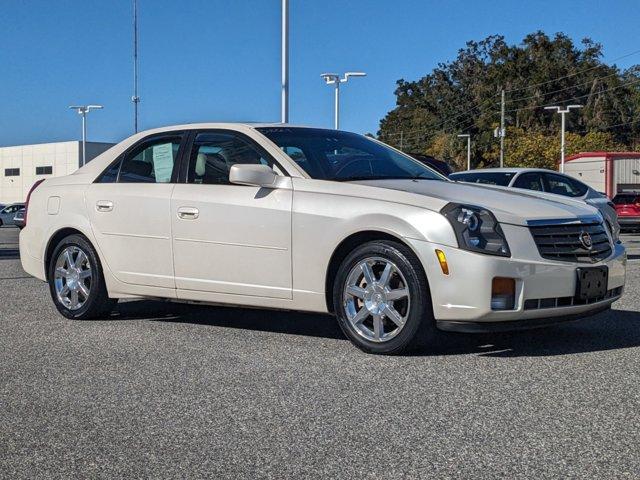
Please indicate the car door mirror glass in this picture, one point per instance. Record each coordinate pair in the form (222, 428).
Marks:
(253, 174)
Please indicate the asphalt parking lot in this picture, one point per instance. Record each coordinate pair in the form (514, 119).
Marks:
(165, 391)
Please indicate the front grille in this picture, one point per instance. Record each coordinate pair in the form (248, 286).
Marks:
(555, 302)
(563, 242)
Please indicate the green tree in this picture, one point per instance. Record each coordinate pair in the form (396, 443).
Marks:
(462, 96)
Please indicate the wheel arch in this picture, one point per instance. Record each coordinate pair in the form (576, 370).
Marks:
(55, 239)
(346, 246)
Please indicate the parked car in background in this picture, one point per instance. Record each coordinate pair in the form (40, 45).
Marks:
(438, 165)
(548, 181)
(18, 219)
(9, 212)
(628, 208)
(277, 216)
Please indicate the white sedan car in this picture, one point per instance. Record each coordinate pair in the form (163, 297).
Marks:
(297, 218)
(544, 182)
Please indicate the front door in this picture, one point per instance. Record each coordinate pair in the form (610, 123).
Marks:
(230, 239)
(129, 210)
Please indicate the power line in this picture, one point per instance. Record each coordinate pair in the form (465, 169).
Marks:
(571, 74)
(606, 127)
(534, 107)
(562, 89)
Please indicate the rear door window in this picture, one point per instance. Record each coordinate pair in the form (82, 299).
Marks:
(529, 181)
(151, 161)
(562, 185)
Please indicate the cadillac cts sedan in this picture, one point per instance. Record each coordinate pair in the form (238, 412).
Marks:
(285, 217)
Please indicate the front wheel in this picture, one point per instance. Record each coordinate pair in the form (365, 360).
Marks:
(381, 299)
(76, 282)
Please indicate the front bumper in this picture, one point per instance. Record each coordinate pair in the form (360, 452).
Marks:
(514, 325)
(464, 296)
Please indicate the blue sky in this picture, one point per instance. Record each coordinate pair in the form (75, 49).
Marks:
(219, 60)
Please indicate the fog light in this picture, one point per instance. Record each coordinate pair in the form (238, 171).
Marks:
(442, 258)
(503, 293)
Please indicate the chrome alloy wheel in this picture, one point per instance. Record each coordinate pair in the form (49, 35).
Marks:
(376, 299)
(73, 278)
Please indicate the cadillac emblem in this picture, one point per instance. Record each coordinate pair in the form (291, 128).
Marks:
(585, 240)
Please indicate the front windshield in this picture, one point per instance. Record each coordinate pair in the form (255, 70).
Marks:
(343, 156)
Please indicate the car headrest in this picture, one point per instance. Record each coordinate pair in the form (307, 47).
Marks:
(201, 164)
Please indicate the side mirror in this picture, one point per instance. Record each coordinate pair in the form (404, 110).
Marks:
(253, 174)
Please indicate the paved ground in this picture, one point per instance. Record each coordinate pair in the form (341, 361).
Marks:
(169, 391)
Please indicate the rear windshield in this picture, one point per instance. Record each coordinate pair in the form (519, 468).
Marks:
(489, 178)
(625, 198)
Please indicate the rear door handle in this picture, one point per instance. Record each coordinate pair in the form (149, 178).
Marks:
(104, 205)
(188, 213)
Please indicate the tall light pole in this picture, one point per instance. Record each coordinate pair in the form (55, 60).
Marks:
(502, 130)
(334, 79)
(468, 137)
(285, 62)
(82, 111)
(135, 98)
(562, 113)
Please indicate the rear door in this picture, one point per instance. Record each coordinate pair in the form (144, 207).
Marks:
(230, 239)
(129, 210)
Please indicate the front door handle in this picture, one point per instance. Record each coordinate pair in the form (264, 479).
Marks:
(104, 205)
(188, 213)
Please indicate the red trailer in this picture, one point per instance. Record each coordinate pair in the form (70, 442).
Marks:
(607, 172)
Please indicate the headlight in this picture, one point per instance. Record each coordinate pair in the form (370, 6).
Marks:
(476, 229)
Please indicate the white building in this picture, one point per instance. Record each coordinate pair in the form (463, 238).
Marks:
(22, 165)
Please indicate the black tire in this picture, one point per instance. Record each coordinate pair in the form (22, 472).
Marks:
(419, 328)
(98, 304)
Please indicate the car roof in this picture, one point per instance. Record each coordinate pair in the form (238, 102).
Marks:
(214, 125)
(507, 170)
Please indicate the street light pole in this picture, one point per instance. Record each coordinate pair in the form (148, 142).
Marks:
(334, 79)
(285, 62)
(135, 98)
(82, 111)
(562, 113)
(336, 107)
(468, 137)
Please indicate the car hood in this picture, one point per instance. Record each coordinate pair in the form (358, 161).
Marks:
(508, 205)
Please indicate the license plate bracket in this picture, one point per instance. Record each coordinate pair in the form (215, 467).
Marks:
(592, 282)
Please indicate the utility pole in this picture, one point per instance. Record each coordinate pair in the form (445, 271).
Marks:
(135, 98)
(285, 62)
(82, 111)
(502, 132)
(334, 79)
(401, 141)
(468, 137)
(562, 113)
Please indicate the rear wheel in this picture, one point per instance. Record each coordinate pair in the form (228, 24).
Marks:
(76, 281)
(382, 300)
